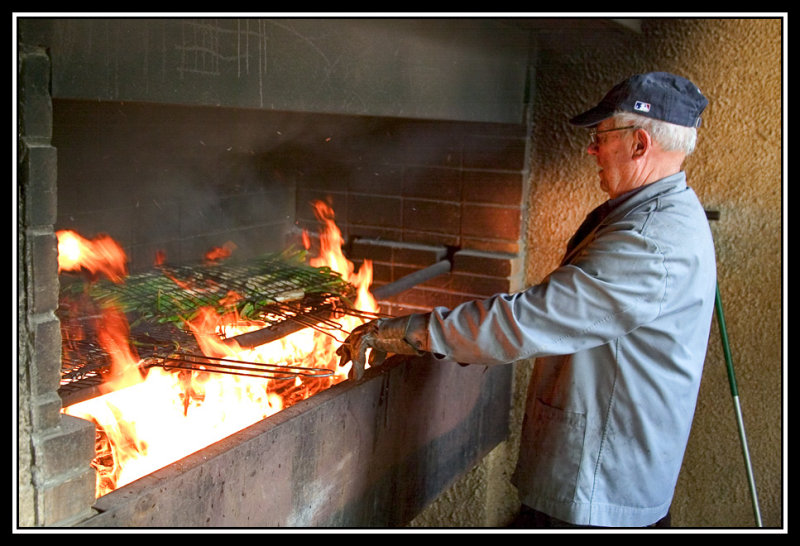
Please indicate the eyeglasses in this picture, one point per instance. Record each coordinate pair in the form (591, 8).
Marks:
(594, 132)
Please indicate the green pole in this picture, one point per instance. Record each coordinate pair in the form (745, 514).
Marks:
(736, 406)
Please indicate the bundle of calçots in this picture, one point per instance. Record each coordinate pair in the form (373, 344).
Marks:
(176, 294)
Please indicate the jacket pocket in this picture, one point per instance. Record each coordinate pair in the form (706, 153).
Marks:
(554, 446)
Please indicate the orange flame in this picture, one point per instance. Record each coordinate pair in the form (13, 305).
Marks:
(162, 416)
(331, 243)
(114, 337)
(221, 252)
(100, 256)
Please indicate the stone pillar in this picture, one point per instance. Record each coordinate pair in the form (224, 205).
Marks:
(55, 480)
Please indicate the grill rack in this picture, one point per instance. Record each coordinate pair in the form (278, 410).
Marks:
(280, 291)
(193, 362)
(173, 294)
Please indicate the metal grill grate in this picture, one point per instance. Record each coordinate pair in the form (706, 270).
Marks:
(279, 291)
(173, 294)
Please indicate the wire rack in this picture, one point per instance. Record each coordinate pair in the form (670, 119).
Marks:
(279, 291)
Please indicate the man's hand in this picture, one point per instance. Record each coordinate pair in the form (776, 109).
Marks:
(382, 336)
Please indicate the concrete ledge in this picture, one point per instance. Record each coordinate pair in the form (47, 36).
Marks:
(367, 454)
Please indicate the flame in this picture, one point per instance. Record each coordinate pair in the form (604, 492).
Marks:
(148, 420)
(331, 243)
(114, 338)
(100, 256)
(221, 252)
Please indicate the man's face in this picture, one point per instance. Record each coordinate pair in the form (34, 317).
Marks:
(613, 151)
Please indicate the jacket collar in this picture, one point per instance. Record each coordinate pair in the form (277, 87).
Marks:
(614, 209)
(628, 201)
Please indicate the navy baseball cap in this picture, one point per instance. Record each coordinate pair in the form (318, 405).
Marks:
(658, 95)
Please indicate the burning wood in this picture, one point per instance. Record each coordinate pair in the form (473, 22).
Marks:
(158, 410)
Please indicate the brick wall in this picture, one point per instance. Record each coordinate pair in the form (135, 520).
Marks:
(55, 481)
(419, 192)
(406, 193)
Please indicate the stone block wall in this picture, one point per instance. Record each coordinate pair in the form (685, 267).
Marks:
(55, 481)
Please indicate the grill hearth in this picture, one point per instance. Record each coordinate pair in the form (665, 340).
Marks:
(366, 454)
(180, 172)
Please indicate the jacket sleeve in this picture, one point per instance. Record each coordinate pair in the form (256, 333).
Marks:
(612, 286)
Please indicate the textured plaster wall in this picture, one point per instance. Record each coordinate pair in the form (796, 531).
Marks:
(737, 170)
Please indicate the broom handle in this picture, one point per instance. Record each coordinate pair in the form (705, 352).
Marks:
(737, 407)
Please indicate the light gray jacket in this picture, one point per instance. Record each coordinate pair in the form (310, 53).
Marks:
(620, 333)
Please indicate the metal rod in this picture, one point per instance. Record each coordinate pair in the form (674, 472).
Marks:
(277, 331)
(736, 405)
(185, 361)
(321, 319)
(413, 279)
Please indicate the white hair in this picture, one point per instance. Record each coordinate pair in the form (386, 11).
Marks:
(670, 136)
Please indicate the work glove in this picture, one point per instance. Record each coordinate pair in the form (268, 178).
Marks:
(391, 335)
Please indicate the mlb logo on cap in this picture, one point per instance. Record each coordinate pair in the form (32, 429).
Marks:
(640, 106)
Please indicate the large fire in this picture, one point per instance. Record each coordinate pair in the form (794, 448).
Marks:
(147, 419)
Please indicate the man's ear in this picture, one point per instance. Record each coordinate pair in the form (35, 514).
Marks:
(642, 142)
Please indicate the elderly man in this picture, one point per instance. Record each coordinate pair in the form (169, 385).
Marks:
(619, 330)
